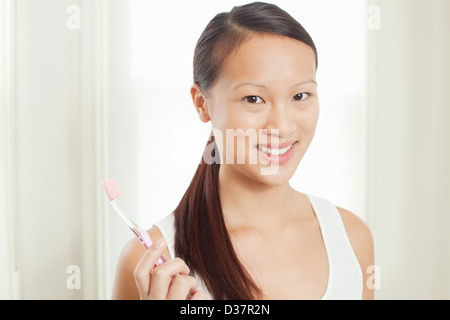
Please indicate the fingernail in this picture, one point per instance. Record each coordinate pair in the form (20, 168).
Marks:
(161, 243)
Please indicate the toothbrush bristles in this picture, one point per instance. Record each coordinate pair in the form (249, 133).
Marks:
(112, 189)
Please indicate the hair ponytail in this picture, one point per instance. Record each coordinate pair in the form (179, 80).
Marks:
(202, 240)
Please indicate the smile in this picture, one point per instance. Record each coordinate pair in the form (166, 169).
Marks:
(273, 151)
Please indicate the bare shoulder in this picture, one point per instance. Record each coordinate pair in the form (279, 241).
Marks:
(124, 283)
(361, 240)
(357, 230)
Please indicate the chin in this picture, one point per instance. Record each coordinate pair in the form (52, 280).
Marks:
(277, 179)
(273, 176)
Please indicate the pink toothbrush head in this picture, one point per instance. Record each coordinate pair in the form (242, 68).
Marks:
(113, 192)
(112, 189)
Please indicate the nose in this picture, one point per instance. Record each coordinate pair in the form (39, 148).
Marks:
(280, 121)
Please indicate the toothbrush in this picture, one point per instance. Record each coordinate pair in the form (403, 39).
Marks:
(113, 192)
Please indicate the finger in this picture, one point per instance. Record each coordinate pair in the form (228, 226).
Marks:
(146, 264)
(181, 286)
(199, 295)
(163, 275)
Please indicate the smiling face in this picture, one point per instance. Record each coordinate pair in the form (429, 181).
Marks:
(266, 87)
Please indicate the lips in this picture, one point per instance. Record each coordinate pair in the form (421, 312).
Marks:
(277, 159)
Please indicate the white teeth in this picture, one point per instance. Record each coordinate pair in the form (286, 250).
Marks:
(275, 152)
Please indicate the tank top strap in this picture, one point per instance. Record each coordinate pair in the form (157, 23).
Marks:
(345, 275)
(167, 228)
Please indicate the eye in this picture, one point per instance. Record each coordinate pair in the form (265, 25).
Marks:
(253, 99)
(301, 96)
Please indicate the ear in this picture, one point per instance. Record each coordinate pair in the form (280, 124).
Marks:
(200, 103)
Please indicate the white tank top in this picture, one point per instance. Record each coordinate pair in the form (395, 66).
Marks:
(345, 280)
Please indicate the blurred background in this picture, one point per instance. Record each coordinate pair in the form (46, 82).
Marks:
(93, 89)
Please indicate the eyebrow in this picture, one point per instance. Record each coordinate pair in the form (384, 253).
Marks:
(263, 86)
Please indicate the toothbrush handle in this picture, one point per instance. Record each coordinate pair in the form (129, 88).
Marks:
(147, 243)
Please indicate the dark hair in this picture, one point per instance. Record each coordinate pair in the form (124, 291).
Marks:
(201, 237)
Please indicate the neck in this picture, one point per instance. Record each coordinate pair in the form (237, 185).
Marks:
(247, 202)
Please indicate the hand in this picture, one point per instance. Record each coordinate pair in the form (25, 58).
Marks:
(170, 280)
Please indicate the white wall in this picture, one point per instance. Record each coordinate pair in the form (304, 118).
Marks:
(46, 149)
(56, 126)
(7, 250)
(409, 155)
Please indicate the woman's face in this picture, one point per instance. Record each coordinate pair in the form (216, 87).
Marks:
(266, 94)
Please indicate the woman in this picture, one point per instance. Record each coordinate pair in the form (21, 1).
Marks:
(239, 233)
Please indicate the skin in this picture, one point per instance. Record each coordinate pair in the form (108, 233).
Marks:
(282, 95)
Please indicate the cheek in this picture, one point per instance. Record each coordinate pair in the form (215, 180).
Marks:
(307, 120)
(233, 129)
(244, 135)
(229, 117)
(241, 119)
(306, 124)
(239, 143)
(225, 116)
